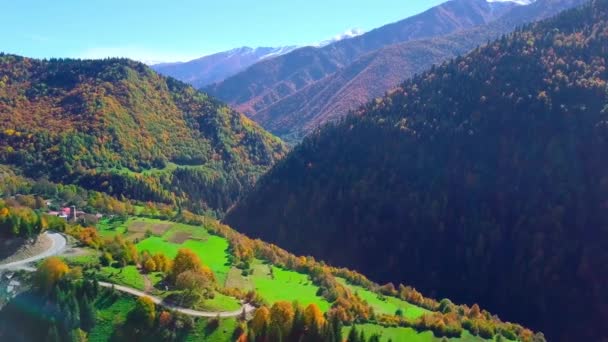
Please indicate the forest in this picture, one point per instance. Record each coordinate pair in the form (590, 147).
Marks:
(483, 179)
(66, 289)
(116, 126)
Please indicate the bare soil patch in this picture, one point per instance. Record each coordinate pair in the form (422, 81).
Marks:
(19, 249)
(180, 237)
(136, 236)
(154, 228)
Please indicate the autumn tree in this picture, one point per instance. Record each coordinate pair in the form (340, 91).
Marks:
(50, 272)
(143, 313)
(313, 317)
(149, 265)
(261, 320)
(282, 316)
(185, 260)
(163, 264)
(90, 237)
(194, 281)
(122, 250)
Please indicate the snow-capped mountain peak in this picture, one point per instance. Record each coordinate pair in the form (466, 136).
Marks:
(350, 33)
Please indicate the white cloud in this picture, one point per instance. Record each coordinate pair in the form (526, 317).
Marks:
(350, 33)
(137, 53)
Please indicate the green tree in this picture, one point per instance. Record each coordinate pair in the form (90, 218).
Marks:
(143, 313)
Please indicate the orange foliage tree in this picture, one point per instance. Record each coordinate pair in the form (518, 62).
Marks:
(50, 272)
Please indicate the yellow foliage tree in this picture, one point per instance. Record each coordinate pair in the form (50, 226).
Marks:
(313, 317)
(261, 319)
(282, 315)
(50, 272)
(149, 265)
(185, 260)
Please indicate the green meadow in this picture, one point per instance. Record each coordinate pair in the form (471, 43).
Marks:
(276, 284)
(386, 304)
(127, 276)
(212, 252)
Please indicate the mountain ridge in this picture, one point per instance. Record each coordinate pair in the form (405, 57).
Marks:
(264, 83)
(373, 74)
(216, 67)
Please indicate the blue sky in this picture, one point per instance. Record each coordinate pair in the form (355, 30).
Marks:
(157, 30)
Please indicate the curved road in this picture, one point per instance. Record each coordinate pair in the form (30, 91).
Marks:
(58, 243)
(248, 307)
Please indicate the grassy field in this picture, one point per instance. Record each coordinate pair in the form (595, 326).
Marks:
(108, 228)
(212, 251)
(127, 276)
(109, 314)
(219, 303)
(222, 333)
(387, 305)
(283, 285)
(235, 279)
(92, 257)
(138, 227)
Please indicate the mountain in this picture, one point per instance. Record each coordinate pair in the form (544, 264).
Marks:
(371, 75)
(219, 66)
(269, 81)
(482, 179)
(117, 126)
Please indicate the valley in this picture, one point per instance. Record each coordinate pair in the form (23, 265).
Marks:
(432, 174)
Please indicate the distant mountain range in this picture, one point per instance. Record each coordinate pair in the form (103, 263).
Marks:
(256, 89)
(217, 67)
(371, 75)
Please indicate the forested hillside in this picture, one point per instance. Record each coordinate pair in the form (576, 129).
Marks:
(118, 127)
(187, 262)
(484, 179)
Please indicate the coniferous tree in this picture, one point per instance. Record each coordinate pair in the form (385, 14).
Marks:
(353, 335)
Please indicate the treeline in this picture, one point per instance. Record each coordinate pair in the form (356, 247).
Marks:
(24, 222)
(446, 320)
(483, 179)
(288, 322)
(34, 193)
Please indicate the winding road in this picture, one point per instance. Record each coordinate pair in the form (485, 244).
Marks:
(223, 314)
(58, 243)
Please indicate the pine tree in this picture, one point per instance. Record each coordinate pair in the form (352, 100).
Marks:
(298, 327)
(362, 336)
(353, 336)
(87, 314)
(53, 334)
(336, 328)
(374, 338)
